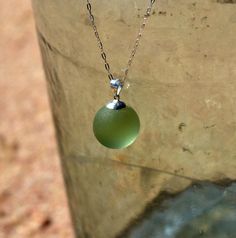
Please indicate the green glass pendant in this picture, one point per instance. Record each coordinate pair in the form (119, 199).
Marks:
(116, 125)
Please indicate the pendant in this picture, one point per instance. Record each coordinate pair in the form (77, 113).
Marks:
(116, 125)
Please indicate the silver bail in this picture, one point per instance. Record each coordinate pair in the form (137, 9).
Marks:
(116, 104)
(117, 85)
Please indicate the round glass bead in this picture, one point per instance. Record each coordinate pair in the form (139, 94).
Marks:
(116, 128)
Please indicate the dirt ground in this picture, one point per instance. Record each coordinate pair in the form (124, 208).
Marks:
(32, 195)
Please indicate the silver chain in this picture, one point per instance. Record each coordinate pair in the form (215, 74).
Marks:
(100, 45)
(136, 44)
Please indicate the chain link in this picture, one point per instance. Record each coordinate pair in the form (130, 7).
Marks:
(136, 44)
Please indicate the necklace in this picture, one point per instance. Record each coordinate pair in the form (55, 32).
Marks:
(117, 125)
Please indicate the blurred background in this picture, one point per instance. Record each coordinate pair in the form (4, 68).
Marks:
(32, 195)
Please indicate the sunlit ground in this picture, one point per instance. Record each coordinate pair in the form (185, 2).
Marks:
(32, 196)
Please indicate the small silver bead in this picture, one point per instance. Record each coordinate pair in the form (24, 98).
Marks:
(116, 83)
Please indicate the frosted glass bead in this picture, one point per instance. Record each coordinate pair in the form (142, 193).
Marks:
(116, 129)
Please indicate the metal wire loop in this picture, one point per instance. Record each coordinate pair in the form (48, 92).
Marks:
(103, 55)
(110, 76)
(89, 7)
(117, 96)
(107, 67)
